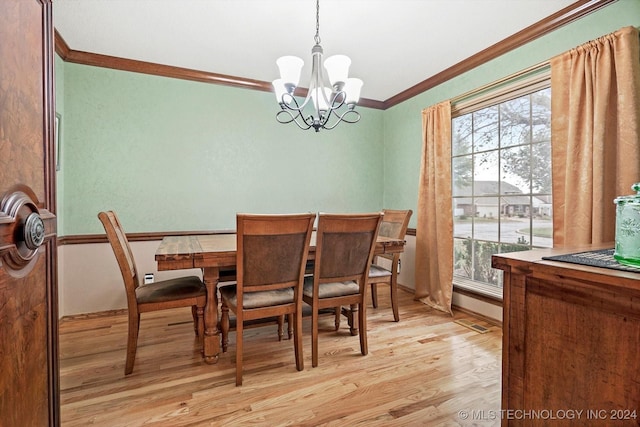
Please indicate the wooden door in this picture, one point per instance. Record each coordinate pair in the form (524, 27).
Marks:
(28, 266)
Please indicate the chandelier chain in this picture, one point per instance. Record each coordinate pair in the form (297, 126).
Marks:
(317, 36)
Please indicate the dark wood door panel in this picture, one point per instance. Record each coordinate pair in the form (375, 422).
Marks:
(28, 289)
(24, 397)
(21, 85)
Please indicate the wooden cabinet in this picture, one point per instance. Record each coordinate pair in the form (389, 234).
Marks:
(571, 337)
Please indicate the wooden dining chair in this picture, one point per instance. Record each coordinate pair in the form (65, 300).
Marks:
(271, 256)
(279, 321)
(186, 291)
(344, 249)
(394, 224)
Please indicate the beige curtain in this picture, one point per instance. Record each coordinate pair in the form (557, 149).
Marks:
(434, 230)
(595, 117)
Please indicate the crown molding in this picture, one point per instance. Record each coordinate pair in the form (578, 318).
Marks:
(105, 61)
(563, 17)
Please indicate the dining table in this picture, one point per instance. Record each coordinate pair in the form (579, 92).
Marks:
(215, 255)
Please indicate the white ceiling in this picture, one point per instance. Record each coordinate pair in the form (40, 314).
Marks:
(393, 44)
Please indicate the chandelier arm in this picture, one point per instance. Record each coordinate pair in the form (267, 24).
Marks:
(292, 118)
(340, 97)
(342, 118)
(292, 99)
(310, 121)
(288, 117)
(356, 119)
(337, 101)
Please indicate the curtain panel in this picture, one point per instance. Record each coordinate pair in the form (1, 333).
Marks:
(595, 138)
(434, 231)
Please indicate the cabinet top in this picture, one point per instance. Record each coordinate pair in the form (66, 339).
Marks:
(532, 264)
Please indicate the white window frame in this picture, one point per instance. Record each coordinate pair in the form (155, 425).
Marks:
(525, 82)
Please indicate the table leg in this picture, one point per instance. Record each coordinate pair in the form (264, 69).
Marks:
(211, 340)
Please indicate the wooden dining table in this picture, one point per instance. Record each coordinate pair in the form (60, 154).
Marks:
(215, 255)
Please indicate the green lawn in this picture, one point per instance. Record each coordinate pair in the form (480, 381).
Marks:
(538, 232)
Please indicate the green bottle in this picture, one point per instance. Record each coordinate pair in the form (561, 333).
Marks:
(627, 250)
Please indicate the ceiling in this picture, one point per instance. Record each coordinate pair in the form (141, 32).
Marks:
(393, 44)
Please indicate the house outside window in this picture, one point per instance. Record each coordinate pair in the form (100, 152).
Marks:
(501, 183)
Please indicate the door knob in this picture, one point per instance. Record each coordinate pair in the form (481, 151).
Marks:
(33, 231)
(24, 227)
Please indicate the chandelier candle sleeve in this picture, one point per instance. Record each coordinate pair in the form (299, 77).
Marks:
(325, 105)
(352, 88)
(338, 69)
(290, 68)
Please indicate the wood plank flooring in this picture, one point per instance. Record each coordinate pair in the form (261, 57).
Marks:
(422, 371)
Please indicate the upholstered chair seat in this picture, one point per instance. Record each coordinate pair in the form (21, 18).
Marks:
(378, 271)
(169, 290)
(259, 299)
(331, 289)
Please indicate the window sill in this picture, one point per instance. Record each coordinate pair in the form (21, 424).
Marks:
(489, 294)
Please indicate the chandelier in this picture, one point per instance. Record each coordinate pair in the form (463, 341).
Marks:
(324, 106)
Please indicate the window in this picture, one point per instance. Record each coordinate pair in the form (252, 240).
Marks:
(501, 184)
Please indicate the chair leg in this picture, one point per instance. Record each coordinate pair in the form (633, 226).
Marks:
(353, 324)
(132, 343)
(394, 300)
(297, 342)
(280, 327)
(200, 323)
(224, 326)
(290, 325)
(349, 313)
(194, 314)
(374, 295)
(362, 322)
(337, 319)
(314, 337)
(239, 334)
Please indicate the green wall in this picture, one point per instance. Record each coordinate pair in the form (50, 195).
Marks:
(170, 154)
(403, 123)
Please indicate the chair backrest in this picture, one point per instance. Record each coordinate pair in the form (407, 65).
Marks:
(344, 246)
(394, 224)
(272, 251)
(123, 253)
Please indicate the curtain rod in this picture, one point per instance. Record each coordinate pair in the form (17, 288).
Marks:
(481, 89)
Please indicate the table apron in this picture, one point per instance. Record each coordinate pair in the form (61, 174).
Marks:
(175, 264)
(204, 261)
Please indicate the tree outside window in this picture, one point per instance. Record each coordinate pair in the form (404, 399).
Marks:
(501, 181)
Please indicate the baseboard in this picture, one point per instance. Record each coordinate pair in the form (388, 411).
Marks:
(487, 319)
(95, 315)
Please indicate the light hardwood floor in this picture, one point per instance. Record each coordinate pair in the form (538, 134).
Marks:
(425, 370)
